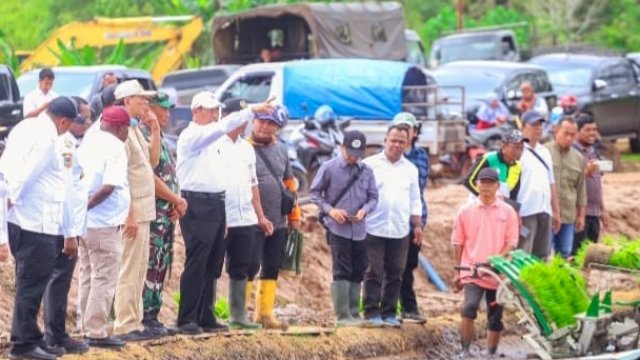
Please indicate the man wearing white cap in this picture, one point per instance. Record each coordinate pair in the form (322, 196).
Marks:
(142, 157)
(203, 225)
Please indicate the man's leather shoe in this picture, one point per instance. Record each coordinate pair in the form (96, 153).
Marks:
(216, 327)
(108, 342)
(51, 349)
(189, 329)
(72, 346)
(137, 335)
(36, 354)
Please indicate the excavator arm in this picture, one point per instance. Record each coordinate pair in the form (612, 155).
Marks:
(102, 32)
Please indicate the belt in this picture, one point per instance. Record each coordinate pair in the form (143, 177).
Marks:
(203, 195)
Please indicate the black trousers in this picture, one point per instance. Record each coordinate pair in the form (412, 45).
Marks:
(35, 255)
(407, 295)
(267, 255)
(383, 277)
(203, 233)
(56, 294)
(241, 243)
(349, 258)
(591, 232)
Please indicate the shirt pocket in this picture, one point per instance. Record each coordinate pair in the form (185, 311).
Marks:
(573, 177)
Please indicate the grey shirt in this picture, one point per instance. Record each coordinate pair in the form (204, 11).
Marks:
(332, 177)
(270, 190)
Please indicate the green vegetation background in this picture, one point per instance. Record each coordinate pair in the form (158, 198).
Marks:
(611, 24)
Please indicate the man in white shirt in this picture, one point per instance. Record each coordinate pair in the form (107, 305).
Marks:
(388, 225)
(203, 226)
(37, 100)
(244, 215)
(537, 196)
(104, 161)
(37, 164)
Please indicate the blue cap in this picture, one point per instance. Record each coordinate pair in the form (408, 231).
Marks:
(532, 116)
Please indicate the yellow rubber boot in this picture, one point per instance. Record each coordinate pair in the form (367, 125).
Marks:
(265, 300)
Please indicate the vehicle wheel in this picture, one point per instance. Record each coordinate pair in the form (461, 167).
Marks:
(634, 144)
(303, 182)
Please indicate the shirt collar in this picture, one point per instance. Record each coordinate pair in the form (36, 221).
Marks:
(480, 204)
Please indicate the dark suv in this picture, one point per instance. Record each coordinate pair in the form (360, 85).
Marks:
(605, 85)
(10, 104)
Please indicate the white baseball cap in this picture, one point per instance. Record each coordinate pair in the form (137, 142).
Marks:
(131, 88)
(205, 99)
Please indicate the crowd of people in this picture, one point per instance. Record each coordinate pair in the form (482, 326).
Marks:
(109, 194)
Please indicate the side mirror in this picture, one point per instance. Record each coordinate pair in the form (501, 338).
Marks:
(514, 95)
(599, 84)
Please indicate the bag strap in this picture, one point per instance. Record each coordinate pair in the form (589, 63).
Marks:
(539, 158)
(352, 181)
(270, 168)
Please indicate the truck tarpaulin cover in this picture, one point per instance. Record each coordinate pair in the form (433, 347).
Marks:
(360, 88)
(372, 30)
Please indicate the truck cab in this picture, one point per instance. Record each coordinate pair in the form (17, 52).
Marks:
(475, 45)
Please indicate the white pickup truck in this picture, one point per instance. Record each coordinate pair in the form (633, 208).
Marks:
(369, 92)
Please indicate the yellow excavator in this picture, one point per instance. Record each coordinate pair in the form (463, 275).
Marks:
(134, 30)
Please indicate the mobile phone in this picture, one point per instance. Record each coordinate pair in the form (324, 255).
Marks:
(352, 218)
(605, 165)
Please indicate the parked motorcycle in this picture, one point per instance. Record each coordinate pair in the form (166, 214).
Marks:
(318, 139)
(491, 138)
(455, 166)
(299, 171)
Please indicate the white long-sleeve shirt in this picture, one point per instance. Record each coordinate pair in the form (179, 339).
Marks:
(104, 160)
(240, 172)
(198, 155)
(38, 164)
(36, 98)
(398, 197)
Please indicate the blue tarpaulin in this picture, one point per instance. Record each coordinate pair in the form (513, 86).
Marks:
(359, 88)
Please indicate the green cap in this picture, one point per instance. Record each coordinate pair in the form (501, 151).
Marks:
(405, 118)
(162, 100)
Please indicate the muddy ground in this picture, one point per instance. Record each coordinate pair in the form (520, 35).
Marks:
(305, 299)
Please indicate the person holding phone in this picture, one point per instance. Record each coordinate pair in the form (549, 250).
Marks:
(345, 190)
(595, 211)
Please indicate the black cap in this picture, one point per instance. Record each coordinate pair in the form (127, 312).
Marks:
(355, 143)
(514, 137)
(233, 105)
(63, 106)
(488, 174)
(532, 116)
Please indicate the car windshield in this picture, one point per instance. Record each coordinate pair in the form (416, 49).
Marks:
(66, 84)
(479, 47)
(478, 85)
(563, 77)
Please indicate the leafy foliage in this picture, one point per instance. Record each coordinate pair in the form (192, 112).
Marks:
(559, 289)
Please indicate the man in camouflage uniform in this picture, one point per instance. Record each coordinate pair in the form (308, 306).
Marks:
(169, 206)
